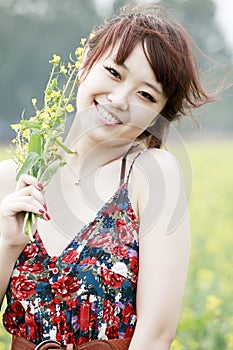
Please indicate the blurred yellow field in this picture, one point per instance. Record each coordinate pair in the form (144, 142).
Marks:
(206, 320)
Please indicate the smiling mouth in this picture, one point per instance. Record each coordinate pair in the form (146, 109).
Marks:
(107, 117)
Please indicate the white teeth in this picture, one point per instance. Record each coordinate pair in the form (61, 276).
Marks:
(107, 115)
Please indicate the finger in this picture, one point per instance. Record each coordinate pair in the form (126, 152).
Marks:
(26, 180)
(30, 191)
(13, 208)
(8, 206)
(26, 199)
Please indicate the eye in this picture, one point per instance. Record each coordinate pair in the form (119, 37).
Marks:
(147, 96)
(113, 72)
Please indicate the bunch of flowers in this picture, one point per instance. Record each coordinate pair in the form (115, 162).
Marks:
(39, 138)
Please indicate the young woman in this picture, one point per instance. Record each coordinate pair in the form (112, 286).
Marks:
(109, 261)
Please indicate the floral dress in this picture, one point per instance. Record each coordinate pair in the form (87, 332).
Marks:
(89, 290)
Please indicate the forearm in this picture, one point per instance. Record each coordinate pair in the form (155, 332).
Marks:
(8, 258)
(142, 341)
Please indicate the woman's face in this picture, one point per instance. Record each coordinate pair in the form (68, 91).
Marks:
(119, 101)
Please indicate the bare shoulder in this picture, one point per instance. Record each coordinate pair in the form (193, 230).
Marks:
(159, 165)
(160, 153)
(7, 177)
(160, 185)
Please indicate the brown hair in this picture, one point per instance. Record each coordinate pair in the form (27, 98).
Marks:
(167, 47)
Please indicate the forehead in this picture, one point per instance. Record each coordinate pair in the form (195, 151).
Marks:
(137, 55)
(137, 62)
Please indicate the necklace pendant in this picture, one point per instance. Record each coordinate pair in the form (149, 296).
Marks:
(78, 183)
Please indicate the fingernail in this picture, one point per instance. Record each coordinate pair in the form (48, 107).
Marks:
(40, 186)
(45, 206)
(41, 211)
(47, 216)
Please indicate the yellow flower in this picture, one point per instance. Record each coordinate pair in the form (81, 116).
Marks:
(55, 61)
(52, 115)
(63, 69)
(56, 94)
(26, 134)
(16, 126)
(34, 101)
(77, 64)
(44, 125)
(83, 41)
(69, 108)
(79, 52)
(92, 35)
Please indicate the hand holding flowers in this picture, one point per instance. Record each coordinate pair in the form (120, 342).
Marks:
(38, 139)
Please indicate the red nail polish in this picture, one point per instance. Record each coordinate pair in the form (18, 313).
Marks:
(40, 186)
(41, 211)
(45, 206)
(47, 216)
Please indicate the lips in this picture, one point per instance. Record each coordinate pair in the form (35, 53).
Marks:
(106, 116)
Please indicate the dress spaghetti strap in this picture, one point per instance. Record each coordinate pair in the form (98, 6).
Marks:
(123, 164)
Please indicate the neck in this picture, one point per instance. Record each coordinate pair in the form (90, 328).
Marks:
(93, 154)
(98, 155)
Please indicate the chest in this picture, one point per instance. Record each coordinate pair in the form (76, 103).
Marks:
(73, 207)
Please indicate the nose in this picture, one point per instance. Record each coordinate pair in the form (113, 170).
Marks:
(119, 99)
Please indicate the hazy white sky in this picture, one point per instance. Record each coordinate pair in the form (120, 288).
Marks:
(224, 18)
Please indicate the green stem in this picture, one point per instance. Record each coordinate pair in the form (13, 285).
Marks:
(71, 91)
(47, 86)
(66, 87)
(29, 220)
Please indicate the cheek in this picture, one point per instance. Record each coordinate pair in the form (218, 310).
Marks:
(141, 117)
(83, 95)
(91, 86)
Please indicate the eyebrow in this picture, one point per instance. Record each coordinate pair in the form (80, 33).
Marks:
(152, 86)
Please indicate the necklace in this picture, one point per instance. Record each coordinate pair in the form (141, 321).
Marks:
(79, 180)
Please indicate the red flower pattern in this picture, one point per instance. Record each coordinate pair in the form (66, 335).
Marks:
(22, 288)
(71, 257)
(111, 278)
(89, 261)
(102, 240)
(65, 286)
(120, 251)
(32, 268)
(75, 296)
(30, 251)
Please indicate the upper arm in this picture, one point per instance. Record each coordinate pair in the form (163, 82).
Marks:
(163, 246)
(7, 177)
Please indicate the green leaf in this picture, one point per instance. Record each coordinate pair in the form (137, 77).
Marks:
(51, 170)
(32, 124)
(35, 143)
(66, 149)
(30, 161)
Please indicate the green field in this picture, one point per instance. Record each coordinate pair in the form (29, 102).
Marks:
(207, 319)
